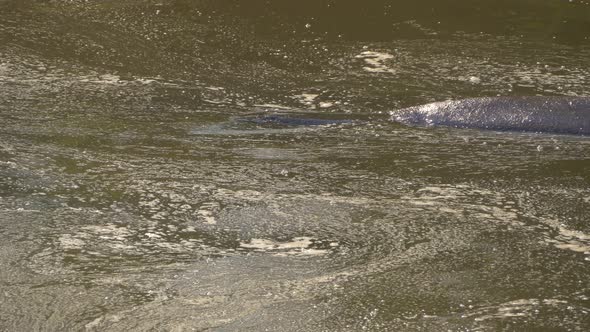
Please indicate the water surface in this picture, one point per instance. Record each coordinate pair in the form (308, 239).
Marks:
(140, 191)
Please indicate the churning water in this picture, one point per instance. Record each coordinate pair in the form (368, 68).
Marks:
(150, 182)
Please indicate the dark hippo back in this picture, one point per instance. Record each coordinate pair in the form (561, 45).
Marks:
(567, 115)
(292, 120)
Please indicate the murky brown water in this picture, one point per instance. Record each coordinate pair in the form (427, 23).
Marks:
(137, 194)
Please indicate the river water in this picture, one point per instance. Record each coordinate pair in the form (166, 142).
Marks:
(141, 191)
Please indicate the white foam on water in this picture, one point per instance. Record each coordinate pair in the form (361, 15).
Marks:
(441, 197)
(69, 242)
(446, 200)
(145, 80)
(258, 196)
(516, 308)
(109, 79)
(207, 216)
(214, 88)
(3, 70)
(108, 231)
(207, 211)
(568, 239)
(474, 79)
(299, 246)
(307, 98)
(112, 79)
(376, 61)
(276, 106)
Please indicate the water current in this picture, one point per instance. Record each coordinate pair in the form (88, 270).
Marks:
(146, 186)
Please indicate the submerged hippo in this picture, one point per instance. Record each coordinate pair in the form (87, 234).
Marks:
(566, 115)
(287, 120)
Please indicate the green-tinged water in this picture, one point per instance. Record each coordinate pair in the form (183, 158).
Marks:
(137, 194)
